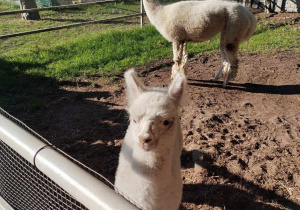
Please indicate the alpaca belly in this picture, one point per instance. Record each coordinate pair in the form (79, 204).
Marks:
(195, 33)
(204, 30)
(201, 36)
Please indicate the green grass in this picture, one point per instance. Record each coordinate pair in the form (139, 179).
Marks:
(39, 61)
(112, 51)
(100, 54)
(273, 37)
(13, 23)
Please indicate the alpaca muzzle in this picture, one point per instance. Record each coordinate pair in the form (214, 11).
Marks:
(146, 142)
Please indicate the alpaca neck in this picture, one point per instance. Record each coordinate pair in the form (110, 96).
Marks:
(153, 8)
(147, 163)
(152, 5)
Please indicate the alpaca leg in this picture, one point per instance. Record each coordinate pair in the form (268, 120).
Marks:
(231, 72)
(222, 71)
(224, 65)
(184, 61)
(231, 54)
(219, 74)
(177, 53)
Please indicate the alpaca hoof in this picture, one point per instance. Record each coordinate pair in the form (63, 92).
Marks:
(224, 84)
(214, 79)
(219, 74)
(227, 77)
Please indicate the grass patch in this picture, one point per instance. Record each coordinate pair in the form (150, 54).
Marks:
(98, 50)
(270, 37)
(101, 54)
(14, 23)
(110, 52)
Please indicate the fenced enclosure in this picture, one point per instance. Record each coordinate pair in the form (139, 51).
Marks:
(268, 5)
(35, 175)
(274, 5)
(20, 65)
(79, 23)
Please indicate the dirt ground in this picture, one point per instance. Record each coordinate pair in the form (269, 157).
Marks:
(241, 144)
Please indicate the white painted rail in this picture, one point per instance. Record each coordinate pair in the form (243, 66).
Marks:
(80, 184)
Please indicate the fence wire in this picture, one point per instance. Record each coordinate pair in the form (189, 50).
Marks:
(24, 187)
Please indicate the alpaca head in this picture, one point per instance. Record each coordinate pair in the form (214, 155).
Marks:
(154, 111)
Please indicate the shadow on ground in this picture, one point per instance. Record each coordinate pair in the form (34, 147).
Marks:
(80, 123)
(227, 195)
(249, 87)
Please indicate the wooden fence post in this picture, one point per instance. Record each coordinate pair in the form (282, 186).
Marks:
(28, 4)
(142, 13)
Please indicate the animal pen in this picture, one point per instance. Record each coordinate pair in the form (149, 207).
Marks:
(62, 7)
(36, 175)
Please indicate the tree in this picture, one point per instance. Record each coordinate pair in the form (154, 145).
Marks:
(29, 4)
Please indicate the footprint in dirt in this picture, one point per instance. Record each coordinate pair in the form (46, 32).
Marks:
(248, 105)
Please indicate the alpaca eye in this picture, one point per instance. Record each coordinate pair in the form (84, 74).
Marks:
(166, 123)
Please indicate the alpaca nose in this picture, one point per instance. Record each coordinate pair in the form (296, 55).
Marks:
(145, 138)
(148, 140)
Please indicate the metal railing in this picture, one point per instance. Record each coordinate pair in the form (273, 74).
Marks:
(23, 186)
(55, 7)
(69, 26)
(141, 14)
(35, 175)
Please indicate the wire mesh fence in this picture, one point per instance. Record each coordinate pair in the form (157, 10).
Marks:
(24, 187)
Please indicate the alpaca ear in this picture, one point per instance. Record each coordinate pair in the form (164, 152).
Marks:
(134, 86)
(177, 88)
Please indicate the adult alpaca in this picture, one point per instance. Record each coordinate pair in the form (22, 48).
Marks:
(198, 21)
(149, 163)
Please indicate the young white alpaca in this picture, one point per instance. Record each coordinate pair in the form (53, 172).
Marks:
(198, 21)
(149, 163)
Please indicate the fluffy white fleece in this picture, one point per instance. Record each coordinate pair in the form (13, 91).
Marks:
(149, 163)
(198, 21)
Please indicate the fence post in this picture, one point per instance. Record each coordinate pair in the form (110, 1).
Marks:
(28, 4)
(142, 13)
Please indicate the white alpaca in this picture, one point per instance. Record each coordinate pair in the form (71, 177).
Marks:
(198, 21)
(149, 163)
